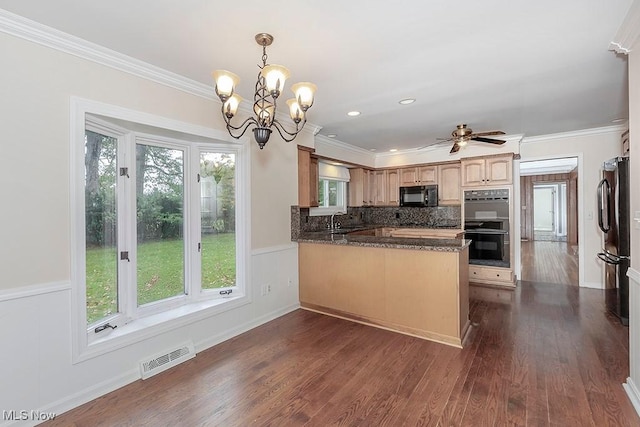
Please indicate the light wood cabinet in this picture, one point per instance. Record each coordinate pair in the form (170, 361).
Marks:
(384, 187)
(379, 188)
(393, 187)
(419, 175)
(449, 191)
(491, 275)
(307, 178)
(359, 187)
(481, 171)
(417, 292)
(424, 233)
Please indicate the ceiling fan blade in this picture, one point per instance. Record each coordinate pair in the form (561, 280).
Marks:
(493, 132)
(455, 148)
(491, 141)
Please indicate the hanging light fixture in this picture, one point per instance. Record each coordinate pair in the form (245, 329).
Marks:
(271, 79)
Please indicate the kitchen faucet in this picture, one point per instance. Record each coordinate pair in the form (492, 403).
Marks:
(334, 214)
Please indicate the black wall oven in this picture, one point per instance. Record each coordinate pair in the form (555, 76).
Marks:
(486, 224)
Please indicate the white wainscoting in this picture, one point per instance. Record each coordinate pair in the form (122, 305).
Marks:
(35, 331)
(633, 382)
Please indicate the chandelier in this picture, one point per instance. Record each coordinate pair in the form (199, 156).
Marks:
(271, 79)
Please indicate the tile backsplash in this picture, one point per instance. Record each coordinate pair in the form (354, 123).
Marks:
(392, 216)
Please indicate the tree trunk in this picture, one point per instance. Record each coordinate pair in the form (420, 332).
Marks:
(91, 162)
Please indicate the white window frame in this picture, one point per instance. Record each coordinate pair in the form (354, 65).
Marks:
(339, 174)
(342, 199)
(158, 317)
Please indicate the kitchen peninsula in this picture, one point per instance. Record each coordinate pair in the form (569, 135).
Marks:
(417, 286)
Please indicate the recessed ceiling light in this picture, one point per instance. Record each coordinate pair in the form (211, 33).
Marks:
(407, 101)
(331, 135)
(393, 150)
(353, 113)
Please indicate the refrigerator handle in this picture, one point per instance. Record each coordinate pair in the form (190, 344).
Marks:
(602, 200)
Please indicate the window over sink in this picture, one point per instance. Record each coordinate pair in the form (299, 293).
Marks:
(332, 189)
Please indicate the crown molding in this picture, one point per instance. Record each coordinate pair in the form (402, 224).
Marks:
(35, 32)
(573, 134)
(332, 142)
(628, 34)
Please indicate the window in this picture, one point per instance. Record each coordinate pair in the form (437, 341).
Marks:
(331, 193)
(159, 234)
(332, 189)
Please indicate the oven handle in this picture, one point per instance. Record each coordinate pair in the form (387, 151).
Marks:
(472, 231)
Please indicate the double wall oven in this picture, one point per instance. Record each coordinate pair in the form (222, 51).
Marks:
(486, 224)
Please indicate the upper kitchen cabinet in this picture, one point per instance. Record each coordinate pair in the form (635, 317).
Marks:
(449, 192)
(419, 175)
(481, 171)
(307, 177)
(393, 187)
(359, 187)
(385, 188)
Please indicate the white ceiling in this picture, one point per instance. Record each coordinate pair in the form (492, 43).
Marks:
(524, 67)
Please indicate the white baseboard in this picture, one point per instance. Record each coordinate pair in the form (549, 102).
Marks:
(633, 393)
(240, 329)
(69, 402)
(591, 285)
(80, 398)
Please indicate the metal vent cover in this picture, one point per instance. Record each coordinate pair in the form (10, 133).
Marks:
(166, 360)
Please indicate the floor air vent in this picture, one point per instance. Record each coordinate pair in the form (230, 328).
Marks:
(166, 360)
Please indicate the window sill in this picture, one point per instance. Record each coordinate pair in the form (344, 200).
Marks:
(327, 211)
(150, 326)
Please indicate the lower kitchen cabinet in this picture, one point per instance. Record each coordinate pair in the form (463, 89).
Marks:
(491, 276)
(417, 292)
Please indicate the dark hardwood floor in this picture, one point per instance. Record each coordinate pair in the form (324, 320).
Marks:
(542, 355)
(549, 262)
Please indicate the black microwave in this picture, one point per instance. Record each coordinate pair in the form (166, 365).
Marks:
(419, 195)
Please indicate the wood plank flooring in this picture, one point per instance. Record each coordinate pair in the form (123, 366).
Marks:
(547, 355)
(549, 262)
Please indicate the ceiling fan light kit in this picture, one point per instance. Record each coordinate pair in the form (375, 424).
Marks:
(463, 134)
(269, 86)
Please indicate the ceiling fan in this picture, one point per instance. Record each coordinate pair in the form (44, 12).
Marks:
(463, 134)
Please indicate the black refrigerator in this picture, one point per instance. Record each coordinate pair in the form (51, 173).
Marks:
(614, 219)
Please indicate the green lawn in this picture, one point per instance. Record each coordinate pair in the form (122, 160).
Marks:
(160, 272)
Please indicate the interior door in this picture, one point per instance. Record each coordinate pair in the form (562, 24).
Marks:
(544, 209)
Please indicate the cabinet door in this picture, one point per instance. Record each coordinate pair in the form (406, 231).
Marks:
(372, 187)
(449, 184)
(379, 188)
(499, 170)
(408, 176)
(313, 182)
(393, 187)
(356, 187)
(428, 175)
(366, 187)
(307, 188)
(473, 172)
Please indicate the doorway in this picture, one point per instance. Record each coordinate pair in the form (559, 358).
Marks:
(549, 220)
(550, 211)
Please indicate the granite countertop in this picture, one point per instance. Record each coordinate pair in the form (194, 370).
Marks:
(344, 238)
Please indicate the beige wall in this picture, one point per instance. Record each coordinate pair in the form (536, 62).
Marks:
(34, 163)
(594, 147)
